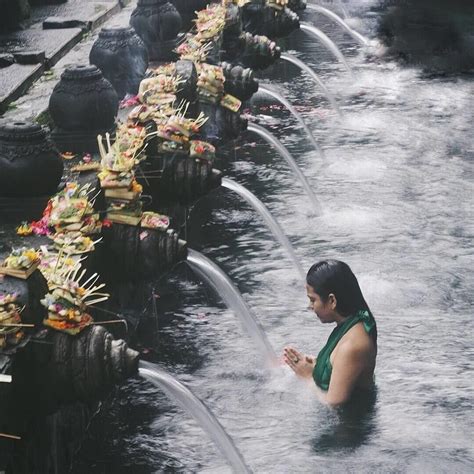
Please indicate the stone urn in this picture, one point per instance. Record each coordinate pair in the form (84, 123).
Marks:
(83, 104)
(30, 165)
(122, 57)
(158, 24)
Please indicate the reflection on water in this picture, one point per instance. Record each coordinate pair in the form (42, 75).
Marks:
(396, 188)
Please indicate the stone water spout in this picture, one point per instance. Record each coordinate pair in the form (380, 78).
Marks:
(260, 19)
(239, 82)
(172, 177)
(61, 368)
(131, 253)
(239, 46)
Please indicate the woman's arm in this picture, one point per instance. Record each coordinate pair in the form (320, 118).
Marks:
(349, 362)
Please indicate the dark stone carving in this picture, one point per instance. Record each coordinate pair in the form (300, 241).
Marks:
(83, 104)
(186, 70)
(29, 164)
(134, 253)
(296, 5)
(259, 52)
(182, 178)
(222, 125)
(158, 23)
(260, 19)
(89, 365)
(122, 57)
(239, 82)
(187, 9)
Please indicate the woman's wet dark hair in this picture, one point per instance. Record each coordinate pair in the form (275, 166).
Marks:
(336, 277)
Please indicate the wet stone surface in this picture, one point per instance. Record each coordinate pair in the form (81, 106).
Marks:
(14, 78)
(51, 42)
(73, 10)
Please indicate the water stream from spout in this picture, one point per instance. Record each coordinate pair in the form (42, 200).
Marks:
(224, 287)
(326, 41)
(337, 19)
(272, 93)
(338, 4)
(272, 224)
(304, 67)
(198, 410)
(272, 140)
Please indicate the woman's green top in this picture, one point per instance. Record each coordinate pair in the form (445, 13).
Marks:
(323, 369)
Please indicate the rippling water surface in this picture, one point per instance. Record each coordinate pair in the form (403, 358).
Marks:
(396, 189)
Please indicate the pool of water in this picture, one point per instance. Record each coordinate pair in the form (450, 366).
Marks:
(395, 186)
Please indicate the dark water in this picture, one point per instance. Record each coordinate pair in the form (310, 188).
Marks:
(396, 189)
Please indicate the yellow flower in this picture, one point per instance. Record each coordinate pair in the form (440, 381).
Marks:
(24, 229)
(31, 254)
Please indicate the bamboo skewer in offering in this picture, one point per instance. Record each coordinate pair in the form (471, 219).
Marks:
(10, 436)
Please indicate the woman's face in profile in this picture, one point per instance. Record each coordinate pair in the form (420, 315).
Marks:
(323, 311)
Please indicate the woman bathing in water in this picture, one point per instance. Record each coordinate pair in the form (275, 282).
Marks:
(346, 363)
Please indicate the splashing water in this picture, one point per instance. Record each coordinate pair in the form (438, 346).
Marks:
(198, 410)
(224, 287)
(272, 93)
(272, 224)
(266, 135)
(326, 41)
(337, 19)
(304, 67)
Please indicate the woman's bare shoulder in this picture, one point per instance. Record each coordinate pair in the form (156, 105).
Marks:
(356, 341)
